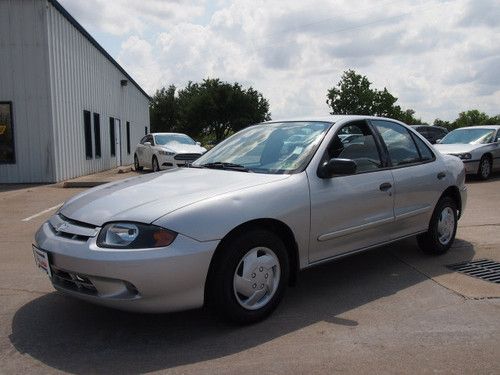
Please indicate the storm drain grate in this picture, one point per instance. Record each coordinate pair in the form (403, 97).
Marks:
(483, 269)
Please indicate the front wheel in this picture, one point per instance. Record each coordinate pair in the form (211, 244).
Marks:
(249, 277)
(156, 166)
(484, 170)
(442, 228)
(137, 167)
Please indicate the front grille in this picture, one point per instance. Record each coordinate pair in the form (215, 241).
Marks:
(484, 269)
(73, 281)
(189, 157)
(64, 227)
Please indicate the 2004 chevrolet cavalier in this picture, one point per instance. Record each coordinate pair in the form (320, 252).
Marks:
(233, 230)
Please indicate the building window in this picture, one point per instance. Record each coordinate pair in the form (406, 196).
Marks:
(88, 134)
(145, 130)
(97, 135)
(128, 137)
(112, 139)
(7, 151)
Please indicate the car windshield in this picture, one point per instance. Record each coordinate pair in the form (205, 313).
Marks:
(276, 148)
(165, 139)
(470, 136)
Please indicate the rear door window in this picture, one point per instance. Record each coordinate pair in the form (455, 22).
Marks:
(400, 145)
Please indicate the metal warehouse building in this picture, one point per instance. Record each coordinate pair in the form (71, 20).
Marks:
(67, 108)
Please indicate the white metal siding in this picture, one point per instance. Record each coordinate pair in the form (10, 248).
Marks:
(24, 81)
(82, 78)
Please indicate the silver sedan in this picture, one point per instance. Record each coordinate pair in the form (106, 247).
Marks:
(234, 229)
(477, 146)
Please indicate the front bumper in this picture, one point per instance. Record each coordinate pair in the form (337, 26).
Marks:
(154, 280)
(471, 166)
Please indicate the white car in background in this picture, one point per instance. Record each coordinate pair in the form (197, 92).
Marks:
(477, 146)
(166, 150)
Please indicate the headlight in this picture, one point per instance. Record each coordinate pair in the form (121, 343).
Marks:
(168, 153)
(134, 236)
(465, 156)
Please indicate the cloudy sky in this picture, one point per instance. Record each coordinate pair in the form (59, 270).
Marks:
(439, 57)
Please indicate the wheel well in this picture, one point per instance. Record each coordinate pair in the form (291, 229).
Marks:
(454, 194)
(489, 156)
(277, 227)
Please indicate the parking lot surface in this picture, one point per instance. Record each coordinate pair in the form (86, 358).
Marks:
(390, 310)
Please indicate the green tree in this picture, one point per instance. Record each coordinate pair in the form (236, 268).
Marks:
(163, 111)
(216, 109)
(445, 124)
(354, 95)
(472, 117)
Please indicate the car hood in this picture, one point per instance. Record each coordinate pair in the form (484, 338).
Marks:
(456, 148)
(148, 197)
(180, 148)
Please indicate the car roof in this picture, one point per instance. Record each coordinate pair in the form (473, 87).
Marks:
(428, 126)
(330, 119)
(493, 127)
(166, 133)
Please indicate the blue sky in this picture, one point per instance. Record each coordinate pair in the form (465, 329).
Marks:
(439, 57)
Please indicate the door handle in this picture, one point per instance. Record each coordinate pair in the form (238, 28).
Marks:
(385, 186)
(441, 175)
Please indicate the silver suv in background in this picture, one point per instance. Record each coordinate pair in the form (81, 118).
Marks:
(430, 132)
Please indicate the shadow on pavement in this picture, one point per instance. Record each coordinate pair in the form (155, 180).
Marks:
(77, 337)
(495, 176)
(13, 187)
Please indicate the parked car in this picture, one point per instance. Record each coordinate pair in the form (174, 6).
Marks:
(166, 150)
(477, 146)
(233, 230)
(431, 133)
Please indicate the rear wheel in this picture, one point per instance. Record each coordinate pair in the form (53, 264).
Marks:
(155, 165)
(137, 167)
(442, 228)
(249, 277)
(484, 170)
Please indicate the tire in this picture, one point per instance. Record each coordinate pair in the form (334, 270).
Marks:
(247, 295)
(155, 165)
(484, 170)
(442, 228)
(137, 167)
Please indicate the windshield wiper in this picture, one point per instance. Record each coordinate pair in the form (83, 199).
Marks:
(224, 165)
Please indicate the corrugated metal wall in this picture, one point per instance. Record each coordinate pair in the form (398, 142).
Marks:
(52, 73)
(24, 82)
(82, 78)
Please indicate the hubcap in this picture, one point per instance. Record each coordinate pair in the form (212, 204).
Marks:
(485, 168)
(256, 278)
(446, 225)
(155, 166)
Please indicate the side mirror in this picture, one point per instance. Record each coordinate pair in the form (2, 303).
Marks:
(438, 140)
(147, 143)
(337, 167)
(198, 144)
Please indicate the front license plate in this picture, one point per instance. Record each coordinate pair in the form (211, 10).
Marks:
(42, 260)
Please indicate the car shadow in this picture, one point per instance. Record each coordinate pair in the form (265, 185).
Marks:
(77, 337)
(495, 176)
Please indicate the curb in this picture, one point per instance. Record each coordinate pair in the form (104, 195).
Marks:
(83, 184)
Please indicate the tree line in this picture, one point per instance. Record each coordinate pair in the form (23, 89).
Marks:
(212, 109)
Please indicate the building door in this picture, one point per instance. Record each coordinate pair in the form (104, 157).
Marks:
(118, 142)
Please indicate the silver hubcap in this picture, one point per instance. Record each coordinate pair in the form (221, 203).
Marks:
(485, 168)
(256, 278)
(155, 166)
(446, 225)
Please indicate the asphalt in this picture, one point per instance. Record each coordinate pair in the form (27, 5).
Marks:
(390, 310)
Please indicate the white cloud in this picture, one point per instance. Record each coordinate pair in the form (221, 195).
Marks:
(438, 57)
